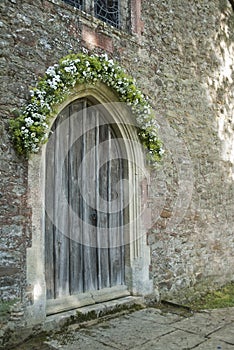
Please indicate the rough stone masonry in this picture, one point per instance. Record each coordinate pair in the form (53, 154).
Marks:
(181, 54)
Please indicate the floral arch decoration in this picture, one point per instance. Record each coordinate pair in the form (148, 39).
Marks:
(30, 129)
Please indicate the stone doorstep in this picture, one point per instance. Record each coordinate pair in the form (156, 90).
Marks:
(90, 314)
(55, 306)
(74, 319)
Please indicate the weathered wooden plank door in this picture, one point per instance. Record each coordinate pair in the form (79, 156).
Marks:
(84, 197)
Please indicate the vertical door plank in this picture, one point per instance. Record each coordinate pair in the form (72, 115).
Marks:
(115, 204)
(61, 206)
(102, 204)
(89, 197)
(75, 158)
(123, 217)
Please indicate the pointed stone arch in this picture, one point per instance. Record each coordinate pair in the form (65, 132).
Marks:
(137, 258)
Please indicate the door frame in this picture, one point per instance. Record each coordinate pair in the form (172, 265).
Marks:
(137, 279)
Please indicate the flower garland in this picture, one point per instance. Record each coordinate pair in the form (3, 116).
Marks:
(31, 128)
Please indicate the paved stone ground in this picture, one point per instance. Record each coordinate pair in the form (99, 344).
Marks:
(147, 329)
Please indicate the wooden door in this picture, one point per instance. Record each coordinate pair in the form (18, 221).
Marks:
(84, 197)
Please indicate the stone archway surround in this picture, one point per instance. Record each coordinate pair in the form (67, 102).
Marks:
(137, 268)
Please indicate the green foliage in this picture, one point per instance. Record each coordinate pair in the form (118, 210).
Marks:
(221, 298)
(31, 128)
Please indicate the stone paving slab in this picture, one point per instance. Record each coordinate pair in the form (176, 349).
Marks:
(201, 323)
(227, 314)
(175, 340)
(129, 335)
(149, 329)
(79, 342)
(213, 344)
(156, 315)
(226, 334)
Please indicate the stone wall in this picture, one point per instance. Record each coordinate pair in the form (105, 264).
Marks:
(190, 49)
(184, 62)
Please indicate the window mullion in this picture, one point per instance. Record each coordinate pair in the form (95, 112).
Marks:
(89, 6)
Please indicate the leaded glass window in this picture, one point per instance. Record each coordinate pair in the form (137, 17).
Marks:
(106, 10)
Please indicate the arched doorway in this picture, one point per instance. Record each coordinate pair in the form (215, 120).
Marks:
(85, 211)
(56, 290)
